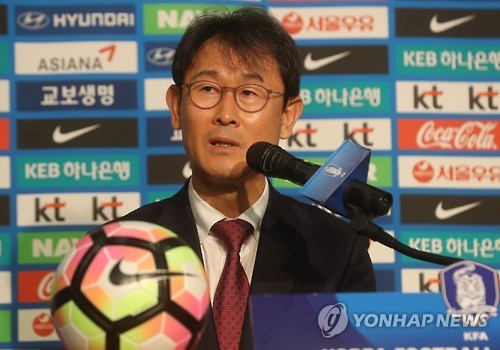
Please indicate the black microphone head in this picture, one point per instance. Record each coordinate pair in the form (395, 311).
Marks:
(265, 158)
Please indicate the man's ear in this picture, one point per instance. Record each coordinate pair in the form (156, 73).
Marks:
(173, 98)
(291, 114)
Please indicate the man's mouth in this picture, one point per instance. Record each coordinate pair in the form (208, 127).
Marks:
(222, 144)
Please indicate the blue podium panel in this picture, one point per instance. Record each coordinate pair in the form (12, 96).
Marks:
(368, 321)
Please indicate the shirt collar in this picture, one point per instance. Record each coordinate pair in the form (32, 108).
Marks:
(206, 216)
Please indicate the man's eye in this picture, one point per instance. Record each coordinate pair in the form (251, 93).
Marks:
(248, 92)
(207, 88)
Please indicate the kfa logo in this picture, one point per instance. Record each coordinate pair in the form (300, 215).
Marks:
(355, 134)
(303, 137)
(49, 211)
(470, 288)
(427, 98)
(105, 210)
(482, 99)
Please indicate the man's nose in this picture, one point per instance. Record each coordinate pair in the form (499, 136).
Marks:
(227, 110)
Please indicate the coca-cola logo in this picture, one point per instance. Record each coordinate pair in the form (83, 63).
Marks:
(42, 325)
(423, 171)
(44, 289)
(293, 22)
(470, 135)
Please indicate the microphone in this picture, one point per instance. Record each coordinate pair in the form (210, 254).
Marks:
(273, 161)
(338, 185)
(340, 182)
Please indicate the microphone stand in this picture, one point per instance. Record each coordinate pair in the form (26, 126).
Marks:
(364, 203)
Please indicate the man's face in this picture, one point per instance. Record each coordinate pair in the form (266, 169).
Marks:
(216, 140)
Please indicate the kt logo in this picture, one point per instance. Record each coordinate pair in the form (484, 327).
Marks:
(364, 131)
(430, 285)
(303, 137)
(49, 212)
(99, 210)
(481, 98)
(425, 97)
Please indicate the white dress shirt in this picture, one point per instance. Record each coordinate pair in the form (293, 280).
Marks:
(213, 253)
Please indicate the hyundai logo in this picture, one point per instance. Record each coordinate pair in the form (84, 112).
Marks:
(160, 56)
(33, 20)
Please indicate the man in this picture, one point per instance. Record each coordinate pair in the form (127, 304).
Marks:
(237, 79)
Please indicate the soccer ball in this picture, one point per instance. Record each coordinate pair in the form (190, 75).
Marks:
(130, 285)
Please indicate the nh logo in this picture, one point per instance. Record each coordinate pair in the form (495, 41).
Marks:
(172, 18)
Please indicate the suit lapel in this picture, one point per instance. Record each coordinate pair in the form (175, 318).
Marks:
(177, 216)
(274, 270)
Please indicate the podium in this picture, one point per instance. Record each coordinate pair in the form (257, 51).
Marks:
(366, 321)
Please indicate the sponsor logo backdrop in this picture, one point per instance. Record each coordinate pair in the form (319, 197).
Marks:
(85, 133)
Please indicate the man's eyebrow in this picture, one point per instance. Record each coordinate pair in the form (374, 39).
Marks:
(210, 73)
(214, 74)
(253, 75)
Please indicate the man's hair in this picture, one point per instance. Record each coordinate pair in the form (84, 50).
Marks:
(249, 32)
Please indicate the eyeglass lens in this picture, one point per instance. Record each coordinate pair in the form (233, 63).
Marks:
(249, 97)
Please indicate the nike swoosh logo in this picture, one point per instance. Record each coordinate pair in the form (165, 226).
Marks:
(312, 64)
(443, 214)
(119, 278)
(439, 27)
(59, 137)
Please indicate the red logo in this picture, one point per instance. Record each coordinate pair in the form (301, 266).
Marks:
(342, 23)
(293, 23)
(111, 49)
(468, 135)
(42, 325)
(423, 171)
(35, 286)
(4, 134)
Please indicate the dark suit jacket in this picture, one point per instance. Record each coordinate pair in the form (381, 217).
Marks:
(302, 249)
